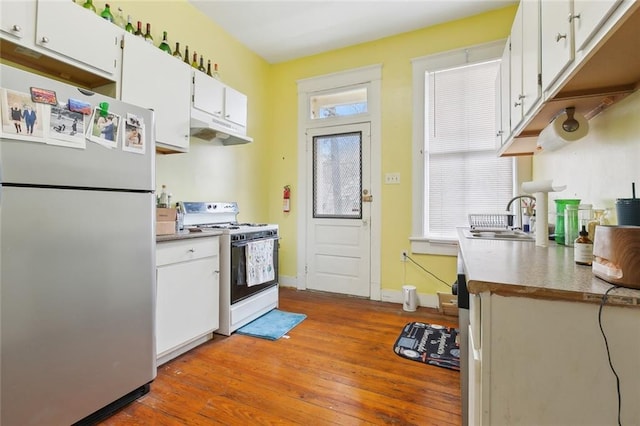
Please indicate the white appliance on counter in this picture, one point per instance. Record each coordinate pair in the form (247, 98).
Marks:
(240, 301)
(78, 261)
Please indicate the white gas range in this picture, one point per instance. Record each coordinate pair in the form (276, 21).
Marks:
(244, 294)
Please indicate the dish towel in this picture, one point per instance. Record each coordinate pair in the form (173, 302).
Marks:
(260, 267)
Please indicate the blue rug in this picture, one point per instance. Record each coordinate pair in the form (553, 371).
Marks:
(272, 325)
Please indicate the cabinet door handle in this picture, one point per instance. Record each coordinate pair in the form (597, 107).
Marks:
(44, 40)
(560, 37)
(499, 133)
(17, 28)
(572, 17)
(191, 250)
(517, 104)
(521, 97)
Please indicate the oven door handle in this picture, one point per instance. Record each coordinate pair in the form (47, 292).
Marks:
(245, 242)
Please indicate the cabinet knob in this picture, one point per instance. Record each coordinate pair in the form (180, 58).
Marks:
(499, 133)
(17, 28)
(572, 17)
(517, 104)
(44, 39)
(560, 37)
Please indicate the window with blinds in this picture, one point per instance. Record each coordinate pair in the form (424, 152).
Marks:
(463, 174)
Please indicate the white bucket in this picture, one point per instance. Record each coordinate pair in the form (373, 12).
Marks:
(409, 298)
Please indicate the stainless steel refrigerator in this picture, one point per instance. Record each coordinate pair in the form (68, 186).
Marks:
(77, 255)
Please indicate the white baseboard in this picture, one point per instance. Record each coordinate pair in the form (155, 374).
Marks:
(393, 296)
(286, 281)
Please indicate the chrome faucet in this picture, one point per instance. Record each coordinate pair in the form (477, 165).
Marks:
(519, 209)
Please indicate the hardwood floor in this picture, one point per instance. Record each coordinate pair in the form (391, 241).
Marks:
(337, 367)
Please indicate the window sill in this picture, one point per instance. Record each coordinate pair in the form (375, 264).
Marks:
(438, 246)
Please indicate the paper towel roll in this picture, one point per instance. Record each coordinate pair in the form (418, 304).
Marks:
(541, 186)
(555, 137)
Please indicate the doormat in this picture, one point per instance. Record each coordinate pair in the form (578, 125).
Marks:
(429, 343)
(272, 325)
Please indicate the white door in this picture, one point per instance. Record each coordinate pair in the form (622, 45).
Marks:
(338, 251)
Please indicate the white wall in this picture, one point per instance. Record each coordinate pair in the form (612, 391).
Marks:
(600, 167)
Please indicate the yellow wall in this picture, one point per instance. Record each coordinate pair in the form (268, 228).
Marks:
(394, 53)
(254, 174)
(213, 172)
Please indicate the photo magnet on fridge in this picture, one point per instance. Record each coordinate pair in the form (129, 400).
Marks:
(43, 96)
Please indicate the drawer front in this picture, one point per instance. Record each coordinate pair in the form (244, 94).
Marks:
(169, 252)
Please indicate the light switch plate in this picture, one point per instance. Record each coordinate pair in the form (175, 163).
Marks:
(392, 178)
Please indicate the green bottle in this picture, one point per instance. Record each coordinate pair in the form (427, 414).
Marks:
(164, 45)
(106, 13)
(139, 32)
(88, 4)
(147, 36)
(129, 27)
(176, 53)
(186, 55)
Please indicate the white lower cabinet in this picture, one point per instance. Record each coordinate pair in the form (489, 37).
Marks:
(544, 362)
(187, 297)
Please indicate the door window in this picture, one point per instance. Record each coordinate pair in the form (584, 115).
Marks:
(337, 176)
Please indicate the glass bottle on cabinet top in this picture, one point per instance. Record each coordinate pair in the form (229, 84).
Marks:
(186, 55)
(129, 27)
(106, 13)
(88, 4)
(147, 36)
(164, 45)
(119, 19)
(176, 52)
(215, 74)
(201, 65)
(139, 32)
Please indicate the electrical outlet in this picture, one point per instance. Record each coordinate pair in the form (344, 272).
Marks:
(403, 256)
(392, 178)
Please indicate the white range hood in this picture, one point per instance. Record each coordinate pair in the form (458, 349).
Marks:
(208, 127)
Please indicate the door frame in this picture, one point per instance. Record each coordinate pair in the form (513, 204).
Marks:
(371, 76)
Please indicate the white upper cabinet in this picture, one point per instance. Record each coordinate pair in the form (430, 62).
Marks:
(557, 40)
(235, 106)
(515, 70)
(227, 106)
(153, 79)
(503, 96)
(588, 16)
(17, 22)
(208, 94)
(530, 54)
(68, 29)
(525, 60)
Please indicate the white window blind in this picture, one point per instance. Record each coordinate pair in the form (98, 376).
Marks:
(463, 173)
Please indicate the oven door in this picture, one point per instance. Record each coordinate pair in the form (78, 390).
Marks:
(239, 288)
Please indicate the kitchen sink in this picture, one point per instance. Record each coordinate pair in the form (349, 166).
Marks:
(500, 234)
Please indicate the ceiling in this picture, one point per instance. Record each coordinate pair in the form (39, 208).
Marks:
(280, 31)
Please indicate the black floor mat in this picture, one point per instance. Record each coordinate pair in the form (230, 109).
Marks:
(429, 343)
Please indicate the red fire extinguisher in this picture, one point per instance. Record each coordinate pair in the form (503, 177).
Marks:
(286, 199)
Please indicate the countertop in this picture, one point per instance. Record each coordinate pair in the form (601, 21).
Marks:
(520, 268)
(184, 235)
